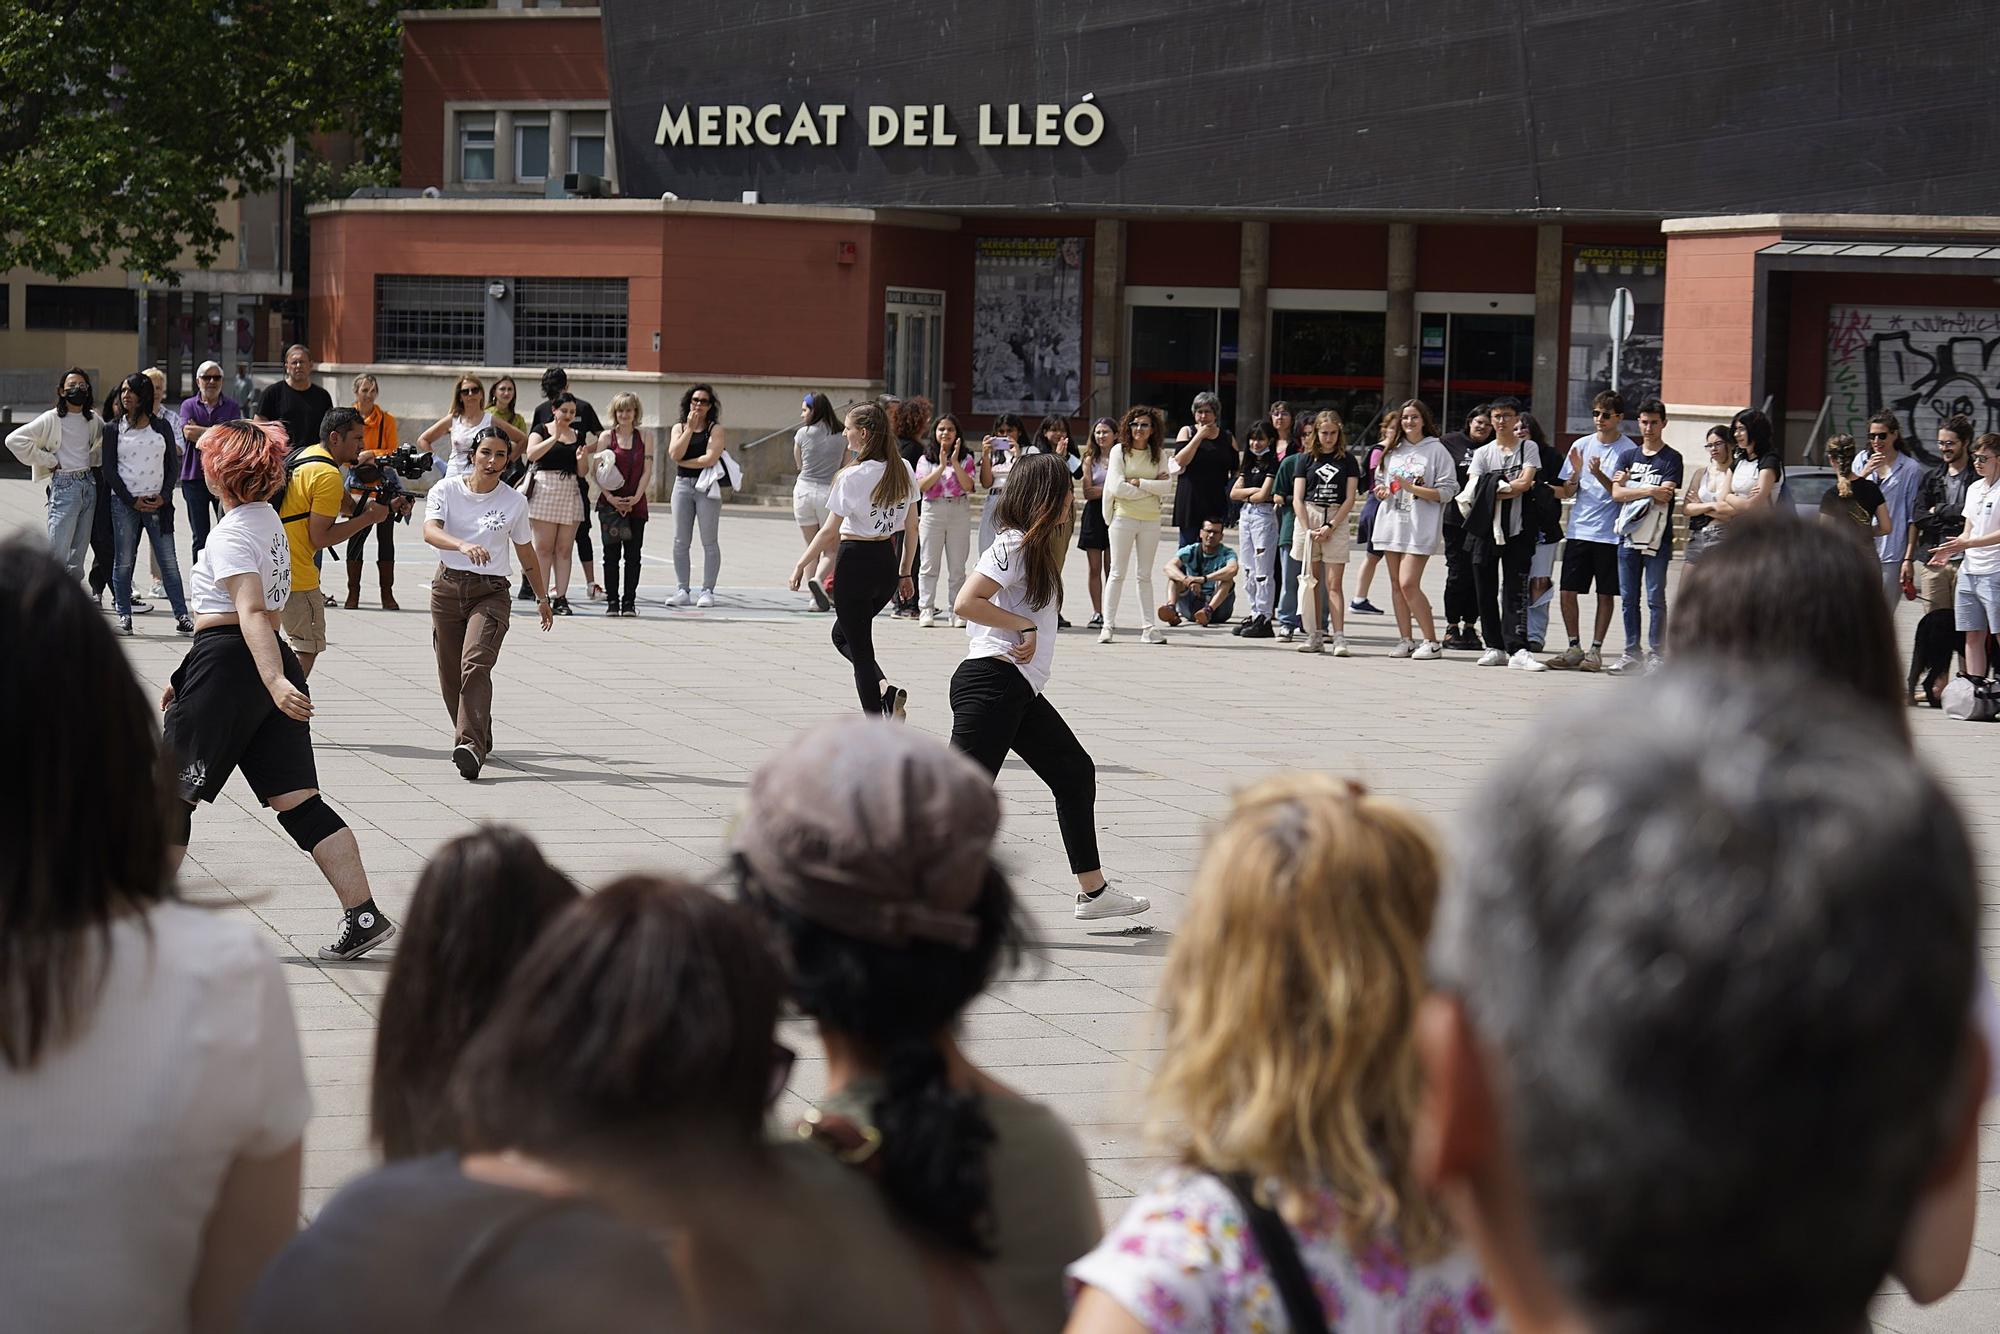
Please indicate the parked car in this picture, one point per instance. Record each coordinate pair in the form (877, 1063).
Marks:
(1805, 486)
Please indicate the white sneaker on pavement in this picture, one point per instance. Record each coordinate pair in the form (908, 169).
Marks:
(1110, 902)
(1426, 651)
(681, 598)
(1152, 634)
(1524, 661)
(1404, 648)
(1104, 635)
(1492, 657)
(1626, 663)
(1340, 647)
(707, 598)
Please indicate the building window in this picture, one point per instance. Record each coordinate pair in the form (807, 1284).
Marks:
(1329, 359)
(531, 148)
(586, 142)
(475, 146)
(87, 309)
(6, 305)
(569, 322)
(431, 321)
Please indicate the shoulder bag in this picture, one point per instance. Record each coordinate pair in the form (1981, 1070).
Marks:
(1281, 1255)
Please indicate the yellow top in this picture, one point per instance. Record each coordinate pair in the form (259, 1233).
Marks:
(1136, 466)
(311, 490)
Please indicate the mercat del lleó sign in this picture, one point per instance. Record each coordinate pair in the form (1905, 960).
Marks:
(1010, 125)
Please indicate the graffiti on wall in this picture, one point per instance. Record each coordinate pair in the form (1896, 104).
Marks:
(1924, 363)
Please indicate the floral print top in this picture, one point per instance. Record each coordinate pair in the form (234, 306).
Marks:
(1182, 1260)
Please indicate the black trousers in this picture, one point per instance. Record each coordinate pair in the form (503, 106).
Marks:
(583, 551)
(864, 579)
(1461, 596)
(102, 549)
(385, 543)
(909, 603)
(995, 710)
(625, 551)
(1500, 576)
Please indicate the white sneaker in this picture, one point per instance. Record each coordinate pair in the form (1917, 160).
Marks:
(1524, 661)
(1427, 650)
(1404, 648)
(1152, 635)
(957, 622)
(1493, 657)
(681, 598)
(707, 598)
(1104, 635)
(1110, 902)
(1340, 647)
(927, 620)
(1626, 663)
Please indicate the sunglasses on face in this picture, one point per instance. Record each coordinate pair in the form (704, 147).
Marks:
(1985, 458)
(1878, 435)
(701, 401)
(208, 379)
(1601, 415)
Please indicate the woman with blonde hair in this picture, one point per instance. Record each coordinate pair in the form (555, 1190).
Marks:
(1288, 1088)
(467, 418)
(1134, 484)
(621, 511)
(1855, 500)
(1322, 497)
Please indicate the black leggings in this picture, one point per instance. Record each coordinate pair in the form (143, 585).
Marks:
(995, 710)
(583, 551)
(1500, 575)
(864, 579)
(627, 550)
(385, 543)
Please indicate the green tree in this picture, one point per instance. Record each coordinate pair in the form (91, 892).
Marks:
(122, 126)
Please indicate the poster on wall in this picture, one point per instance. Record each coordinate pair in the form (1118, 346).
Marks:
(1924, 363)
(1617, 322)
(1027, 324)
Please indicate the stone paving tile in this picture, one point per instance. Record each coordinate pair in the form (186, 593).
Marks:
(642, 770)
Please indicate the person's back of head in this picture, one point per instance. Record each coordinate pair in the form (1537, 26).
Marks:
(83, 802)
(1705, 1031)
(1290, 996)
(639, 1024)
(480, 904)
(1785, 592)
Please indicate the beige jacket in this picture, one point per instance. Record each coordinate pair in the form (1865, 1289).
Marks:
(35, 444)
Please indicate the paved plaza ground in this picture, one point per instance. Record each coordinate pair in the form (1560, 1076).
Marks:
(625, 745)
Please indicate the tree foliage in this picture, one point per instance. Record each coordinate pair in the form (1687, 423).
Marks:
(123, 126)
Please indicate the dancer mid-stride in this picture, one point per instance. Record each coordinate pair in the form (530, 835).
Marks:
(867, 505)
(997, 704)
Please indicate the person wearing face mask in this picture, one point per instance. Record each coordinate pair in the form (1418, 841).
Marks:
(61, 447)
(139, 456)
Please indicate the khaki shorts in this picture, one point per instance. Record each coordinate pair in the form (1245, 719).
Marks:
(304, 620)
(1333, 551)
(1937, 586)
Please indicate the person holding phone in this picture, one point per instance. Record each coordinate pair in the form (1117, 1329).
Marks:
(944, 524)
(997, 453)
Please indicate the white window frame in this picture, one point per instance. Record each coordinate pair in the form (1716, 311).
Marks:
(529, 120)
(465, 124)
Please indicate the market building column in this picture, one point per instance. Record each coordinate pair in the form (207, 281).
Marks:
(1548, 323)
(1399, 364)
(1253, 365)
(1107, 321)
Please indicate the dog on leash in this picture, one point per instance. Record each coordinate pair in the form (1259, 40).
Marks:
(1938, 641)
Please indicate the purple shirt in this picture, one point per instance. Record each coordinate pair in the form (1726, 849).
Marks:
(194, 412)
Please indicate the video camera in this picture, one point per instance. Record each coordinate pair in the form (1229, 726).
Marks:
(381, 479)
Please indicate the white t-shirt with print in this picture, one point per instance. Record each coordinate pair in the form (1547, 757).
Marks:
(1006, 565)
(852, 498)
(119, 1139)
(496, 520)
(1982, 515)
(142, 458)
(249, 539)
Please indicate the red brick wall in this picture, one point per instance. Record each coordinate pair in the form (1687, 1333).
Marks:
(1711, 297)
(497, 56)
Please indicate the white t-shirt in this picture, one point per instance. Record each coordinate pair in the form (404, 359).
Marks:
(118, 1141)
(496, 520)
(462, 432)
(1982, 516)
(852, 498)
(1005, 565)
(73, 450)
(142, 458)
(249, 539)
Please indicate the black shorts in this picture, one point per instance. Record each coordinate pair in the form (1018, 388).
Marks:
(222, 719)
(1590, 563)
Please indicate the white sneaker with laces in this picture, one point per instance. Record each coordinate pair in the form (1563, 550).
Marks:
(707, 598)
(1427, 650)
(1524, 661)
(1404, 648)
(1626, 663)
(1340, 647)
(1152, 635)
(1492, 657)
(681, 598)
(1104, 635)
(1110, 902)
(927, 620)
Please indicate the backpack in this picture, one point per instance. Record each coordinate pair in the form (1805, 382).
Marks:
(1971, 701)
(294, 460)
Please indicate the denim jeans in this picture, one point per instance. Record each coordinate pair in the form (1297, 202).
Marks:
(692, 506)
(1288, 604)
(202, 511)
(72, 506)
(1542, 567)
(1634, 565)
(126, 525)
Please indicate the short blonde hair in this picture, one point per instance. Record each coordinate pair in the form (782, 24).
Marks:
(1290, 998)
(367, 379)
(620, 402)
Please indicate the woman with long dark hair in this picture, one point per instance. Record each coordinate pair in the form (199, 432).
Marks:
(910, 423)
(481, 902)
(61, 447)
(868, 851)
(868, 504)
(559, 452)
(150, 1079)
(1093, 532)
(997, 704)
(140, 455)
(1006, 442)
(946, 482)
(695, 446)
(1388, 429)
(819, 450)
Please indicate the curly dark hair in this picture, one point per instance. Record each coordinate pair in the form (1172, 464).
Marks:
(714, 403)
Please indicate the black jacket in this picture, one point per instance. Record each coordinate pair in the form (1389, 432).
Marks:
(169, 479)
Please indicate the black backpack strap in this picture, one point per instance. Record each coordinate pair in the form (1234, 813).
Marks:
(1281, 1255)
(295, 460)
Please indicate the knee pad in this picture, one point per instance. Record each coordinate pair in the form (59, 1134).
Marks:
(311, 822)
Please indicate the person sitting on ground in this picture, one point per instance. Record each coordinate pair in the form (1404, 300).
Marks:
(150, 1080)
(868, 850)
(1289, 1086)
(1202, 575)
(481, 902)
(1724, 1075)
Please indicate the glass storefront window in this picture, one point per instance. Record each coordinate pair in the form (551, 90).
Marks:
(1178, 352)
(1329, 359)
(1464, 360)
